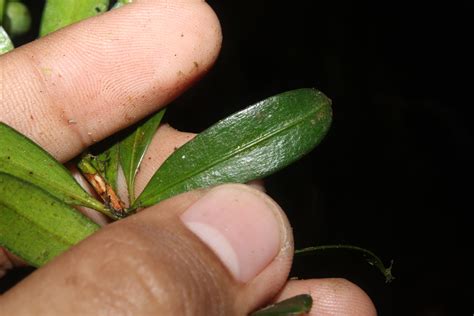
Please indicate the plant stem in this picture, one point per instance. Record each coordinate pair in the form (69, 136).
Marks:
(115, 208)
(369, 256)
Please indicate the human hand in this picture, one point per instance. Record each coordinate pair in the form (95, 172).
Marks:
(222, 251)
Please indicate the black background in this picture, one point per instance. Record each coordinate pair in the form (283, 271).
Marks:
(394, 173)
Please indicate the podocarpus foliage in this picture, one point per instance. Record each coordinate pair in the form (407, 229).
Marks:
(38, 196)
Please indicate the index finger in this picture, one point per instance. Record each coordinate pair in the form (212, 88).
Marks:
(81, 84)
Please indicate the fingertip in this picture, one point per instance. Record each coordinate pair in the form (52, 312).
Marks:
(332, 296)
(240, 225)
(87, 81)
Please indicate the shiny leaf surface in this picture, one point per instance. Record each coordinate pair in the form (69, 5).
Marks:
(248, 145)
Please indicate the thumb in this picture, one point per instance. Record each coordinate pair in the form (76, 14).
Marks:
(224, 251)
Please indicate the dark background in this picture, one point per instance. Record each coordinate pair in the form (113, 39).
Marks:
(393, 175)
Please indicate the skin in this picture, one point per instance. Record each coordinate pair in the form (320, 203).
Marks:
(178, 273)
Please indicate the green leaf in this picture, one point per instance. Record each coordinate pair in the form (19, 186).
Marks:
(22, 158)
(121, 3)
(60, 13)
(294, 306)
(108, 164)
(35, 225)
(133, 148)
(248, 145)
(17, 19)
(368, 255)
(6, 44)
(3, 5)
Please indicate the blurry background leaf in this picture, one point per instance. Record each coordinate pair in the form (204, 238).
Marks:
(248, 145)
(16, 18)
(60, 13)
(2, 10)
(294, 306)
(133, 148)
(36, 226)
(24, 159)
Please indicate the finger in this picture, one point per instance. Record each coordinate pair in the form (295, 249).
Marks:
(87, 81)
(5, 262)
(331, 297)
(8, 261)
(218, 252)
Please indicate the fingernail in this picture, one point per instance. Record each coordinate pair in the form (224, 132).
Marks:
(240, 225)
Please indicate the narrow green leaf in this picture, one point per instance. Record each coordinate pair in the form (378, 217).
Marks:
(60, 13)
(368, 255)
(22, 158)
(35, 225)
(248, 145)
(108, 164)
(6, 44)
(121, 3)
(294, 306)
(133, 148)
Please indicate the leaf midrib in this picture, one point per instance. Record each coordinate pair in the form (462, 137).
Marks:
(239, 150)
(55, 185)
